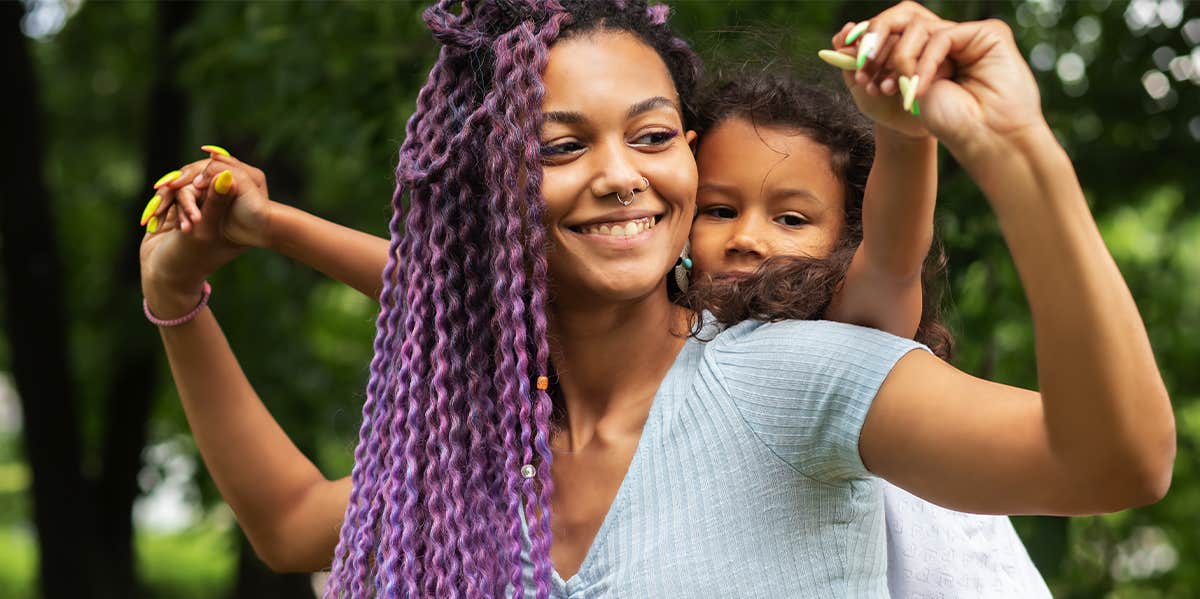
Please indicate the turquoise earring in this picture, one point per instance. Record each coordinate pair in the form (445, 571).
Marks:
(683, 266)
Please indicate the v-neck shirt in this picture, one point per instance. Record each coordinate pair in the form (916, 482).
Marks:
(747, 481)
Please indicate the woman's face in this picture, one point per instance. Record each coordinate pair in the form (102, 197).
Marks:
(612, 118)
(763, 192)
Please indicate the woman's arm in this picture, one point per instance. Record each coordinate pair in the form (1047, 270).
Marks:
(1100, 436)
(290, 512)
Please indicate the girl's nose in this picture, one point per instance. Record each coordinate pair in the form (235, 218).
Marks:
(746, 243)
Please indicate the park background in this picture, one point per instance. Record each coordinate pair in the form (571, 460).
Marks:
(101, 490)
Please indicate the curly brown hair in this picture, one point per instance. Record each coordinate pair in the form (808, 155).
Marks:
(802, 287)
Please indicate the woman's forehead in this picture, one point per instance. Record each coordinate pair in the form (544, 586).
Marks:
(604, 67)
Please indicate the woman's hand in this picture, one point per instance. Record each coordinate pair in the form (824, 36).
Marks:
(174, 262)
(989, 101)
(249, 218)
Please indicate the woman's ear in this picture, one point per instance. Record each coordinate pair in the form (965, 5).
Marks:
(692, 140)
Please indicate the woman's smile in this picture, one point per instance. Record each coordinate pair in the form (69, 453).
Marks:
(623, 231)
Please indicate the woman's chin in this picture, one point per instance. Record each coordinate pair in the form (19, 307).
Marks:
(615, 286)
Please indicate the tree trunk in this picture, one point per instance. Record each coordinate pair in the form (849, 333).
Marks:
(35, 316)
(136, 373)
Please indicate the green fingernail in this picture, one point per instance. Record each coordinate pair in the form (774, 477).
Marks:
(916, 108)
(857, 31)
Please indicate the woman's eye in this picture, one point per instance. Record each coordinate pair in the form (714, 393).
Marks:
(561, 149)
(720, 212)
(791, 220)
(655, 138)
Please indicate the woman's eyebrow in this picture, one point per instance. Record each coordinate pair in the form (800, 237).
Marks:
(650, 104)
(564, 117)
(569, 117)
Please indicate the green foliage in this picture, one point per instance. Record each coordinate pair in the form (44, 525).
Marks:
(317, 94)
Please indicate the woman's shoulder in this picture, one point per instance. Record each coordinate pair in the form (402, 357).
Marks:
(804, 335)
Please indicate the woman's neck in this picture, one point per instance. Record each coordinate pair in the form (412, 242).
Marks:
(610, 360)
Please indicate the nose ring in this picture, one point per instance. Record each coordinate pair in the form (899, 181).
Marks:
(633, 193)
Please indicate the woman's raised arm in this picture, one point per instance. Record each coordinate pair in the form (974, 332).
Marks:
(1100, 436)
(290, 512)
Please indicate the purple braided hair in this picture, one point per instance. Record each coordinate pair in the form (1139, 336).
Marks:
(452, 413)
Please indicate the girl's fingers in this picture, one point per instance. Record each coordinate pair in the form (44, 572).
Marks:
(887, 83)
(871, 70)
(893, 21)
(839, 38)
(212, 168)
(184, 176)
(189, 203)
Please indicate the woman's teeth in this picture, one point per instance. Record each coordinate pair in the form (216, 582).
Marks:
(620, 229)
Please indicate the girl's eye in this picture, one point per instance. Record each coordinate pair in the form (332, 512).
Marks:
(791, 220)
(562, 149)
(720, 212)
(655, 138)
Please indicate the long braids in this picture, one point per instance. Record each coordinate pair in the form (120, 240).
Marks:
(453, 412)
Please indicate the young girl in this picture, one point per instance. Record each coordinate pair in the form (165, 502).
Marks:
(783, 167)
(833, 389)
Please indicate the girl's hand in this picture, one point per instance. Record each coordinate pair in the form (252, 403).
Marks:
(875, 86)
(972, 84)
(174, 262)
(249, 217)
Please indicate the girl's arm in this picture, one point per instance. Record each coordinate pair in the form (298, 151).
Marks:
(882, 288)
(348, 255)
(883, 285)
(1100, 436)
(290, 511)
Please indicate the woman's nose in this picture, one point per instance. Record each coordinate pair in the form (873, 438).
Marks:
(616, 173)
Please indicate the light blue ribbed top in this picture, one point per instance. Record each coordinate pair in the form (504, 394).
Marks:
(747, 480)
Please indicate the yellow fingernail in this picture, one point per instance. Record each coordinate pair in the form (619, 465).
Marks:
(857, 31)
(223, 182)
(902, 83)
(150, 208)
(211, 149)
(167, 178)
(844, 62)
(910, 94)
(153, 225)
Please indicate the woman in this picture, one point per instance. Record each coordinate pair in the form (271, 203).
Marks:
(774, 500)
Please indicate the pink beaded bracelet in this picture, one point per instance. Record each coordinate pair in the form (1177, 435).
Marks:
(186, 317)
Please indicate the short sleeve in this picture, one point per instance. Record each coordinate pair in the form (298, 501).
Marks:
(804, 387)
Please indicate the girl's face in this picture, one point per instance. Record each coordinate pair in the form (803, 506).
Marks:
(612, 118)
(763, 192)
